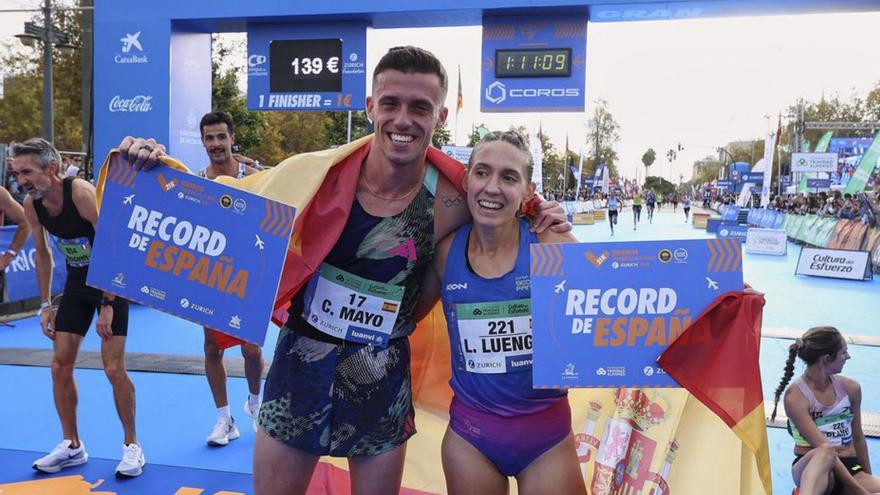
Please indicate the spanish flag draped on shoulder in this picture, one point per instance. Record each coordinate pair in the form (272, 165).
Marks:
(716, 360)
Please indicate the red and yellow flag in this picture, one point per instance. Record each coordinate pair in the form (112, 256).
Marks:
(716, 360)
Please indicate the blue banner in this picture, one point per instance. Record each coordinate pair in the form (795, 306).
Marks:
(730, 214)
(818, 183)
(191, 247)
(737, 232)
(753, 177)
(21, 274)
(604, 312)
(307, 66)
(534, 62)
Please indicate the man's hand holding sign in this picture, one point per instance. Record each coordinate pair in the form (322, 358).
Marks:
(190, 246)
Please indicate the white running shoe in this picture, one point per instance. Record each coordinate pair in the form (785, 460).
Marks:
(224, 431)
(132, 462)
(62, 456)
(253, 411)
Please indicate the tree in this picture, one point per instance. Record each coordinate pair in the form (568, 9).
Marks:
(648, 159)
(21, 106)
(289, 133)
(603, 135)
(659, 185)
(250, 126)
(337, 127)
(441, 136)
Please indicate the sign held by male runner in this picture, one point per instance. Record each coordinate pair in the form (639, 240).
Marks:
(190, 247)
(604, 312)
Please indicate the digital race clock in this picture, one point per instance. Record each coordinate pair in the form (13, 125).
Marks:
(529, 62)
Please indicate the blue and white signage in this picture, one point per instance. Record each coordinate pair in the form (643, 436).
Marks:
(737, 232)
(313, 66)
(604, 312)
(818, 183)
(724, 184)
(534, 63)
(753, 177)
(191, 247)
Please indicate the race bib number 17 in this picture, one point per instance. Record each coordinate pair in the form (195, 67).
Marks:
(350, 307)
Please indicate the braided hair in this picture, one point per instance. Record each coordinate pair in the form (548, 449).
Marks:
(812, 345)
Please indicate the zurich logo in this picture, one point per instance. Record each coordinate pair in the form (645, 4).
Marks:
(496, 92)
(353, 57)
(724, 232)
(184, 303)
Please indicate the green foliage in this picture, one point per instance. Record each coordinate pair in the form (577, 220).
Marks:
(707, 172)
(441, 136)
(659, 185)
(603, 135)
(649, 157)
(337, 127)
(21, 105)
(250, 126)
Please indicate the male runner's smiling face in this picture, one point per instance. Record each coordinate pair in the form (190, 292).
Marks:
(405, 109)
(218, 142)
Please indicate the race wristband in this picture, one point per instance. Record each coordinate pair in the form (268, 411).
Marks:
(11, 252)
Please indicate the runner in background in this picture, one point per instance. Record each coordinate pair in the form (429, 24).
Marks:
(613, 209)
(686, 205)
(637, 208)
(218, 138)
(825, 418)
(11, 209)
(651, 202)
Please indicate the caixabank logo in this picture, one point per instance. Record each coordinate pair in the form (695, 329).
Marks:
(131, 51)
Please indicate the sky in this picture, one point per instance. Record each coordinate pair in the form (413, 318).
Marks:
(701, 83)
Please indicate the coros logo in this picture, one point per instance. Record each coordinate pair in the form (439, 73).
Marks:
(256, 60)
(135, 104)
(496, 92)
(131, 41)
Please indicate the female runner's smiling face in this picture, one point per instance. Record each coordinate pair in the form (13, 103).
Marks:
(497, 183)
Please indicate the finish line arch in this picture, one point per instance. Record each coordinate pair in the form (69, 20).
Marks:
(152, 64)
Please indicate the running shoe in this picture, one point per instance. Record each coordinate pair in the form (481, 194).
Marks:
(132, 462)
(224, 431)
(252, 411)
(62, 456)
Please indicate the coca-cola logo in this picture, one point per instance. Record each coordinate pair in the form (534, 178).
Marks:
(139, 103)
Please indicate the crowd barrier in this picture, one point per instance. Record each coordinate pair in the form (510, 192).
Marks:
(824, 232)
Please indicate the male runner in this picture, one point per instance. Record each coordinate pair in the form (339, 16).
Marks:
(66, 208)
(10, 208)
(613, 209)
(218, 136)
(637, 208)
(651, 201)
